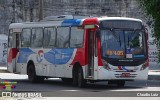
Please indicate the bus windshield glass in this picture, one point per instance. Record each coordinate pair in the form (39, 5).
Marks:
(123, 42)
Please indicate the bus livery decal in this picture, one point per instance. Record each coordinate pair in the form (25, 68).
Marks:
(60, 56)
(124, 68)
(24, 54)
(40, 56)
(71, 22)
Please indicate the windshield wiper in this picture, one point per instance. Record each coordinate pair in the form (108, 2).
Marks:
(128, 42)
(119, 41)
(118, 38)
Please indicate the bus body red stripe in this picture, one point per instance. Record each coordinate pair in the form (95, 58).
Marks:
(12, 54)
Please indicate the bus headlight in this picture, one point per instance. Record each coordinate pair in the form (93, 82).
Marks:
(144, 66)
(105, 65)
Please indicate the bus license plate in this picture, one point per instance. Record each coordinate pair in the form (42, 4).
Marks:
(125, 75)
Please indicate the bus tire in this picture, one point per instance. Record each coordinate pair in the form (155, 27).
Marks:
(75, 76)
(32, 74)
(120, 83)
(81, 80)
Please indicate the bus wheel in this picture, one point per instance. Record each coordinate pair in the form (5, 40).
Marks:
(120, 83)
(81, 80)
(31, 73)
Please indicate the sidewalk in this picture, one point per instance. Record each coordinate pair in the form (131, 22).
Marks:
(154, 71)
(3, 69)
(154, 75)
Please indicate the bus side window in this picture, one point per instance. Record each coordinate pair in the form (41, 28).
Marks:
(26, 38)
(76, 39)
(37, 37)
(49, 37)
(62, 37)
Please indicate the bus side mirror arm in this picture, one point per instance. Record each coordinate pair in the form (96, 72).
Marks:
(97, 31)
(146, 31)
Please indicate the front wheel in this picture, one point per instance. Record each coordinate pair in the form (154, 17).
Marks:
(120, 83)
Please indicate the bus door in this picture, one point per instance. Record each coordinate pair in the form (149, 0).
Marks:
(13, 50)
(90, 69)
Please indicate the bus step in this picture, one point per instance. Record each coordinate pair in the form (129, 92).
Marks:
(89, 77)
(16, 72)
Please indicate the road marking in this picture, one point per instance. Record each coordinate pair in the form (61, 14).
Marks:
(140, 89)
(70, 90)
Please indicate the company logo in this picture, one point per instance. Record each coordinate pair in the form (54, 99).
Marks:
(40, 56)
(8, 86)
(124, 68)
(21, 96)
(6, 94)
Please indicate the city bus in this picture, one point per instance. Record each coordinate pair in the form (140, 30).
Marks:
(79, 50)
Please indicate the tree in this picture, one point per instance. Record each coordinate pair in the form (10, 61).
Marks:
(152, 8)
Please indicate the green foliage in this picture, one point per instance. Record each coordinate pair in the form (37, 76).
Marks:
(152, 7)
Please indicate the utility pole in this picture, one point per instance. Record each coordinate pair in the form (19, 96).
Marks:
(40, 10)
(14, 11)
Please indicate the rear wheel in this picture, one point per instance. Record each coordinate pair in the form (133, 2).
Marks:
(32, 74)
(78, 79)
(81, 80)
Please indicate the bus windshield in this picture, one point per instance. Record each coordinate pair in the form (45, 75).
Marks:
(122, 43)
(122, 39)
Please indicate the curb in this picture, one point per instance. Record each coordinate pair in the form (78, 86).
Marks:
(153, 77)
(4, 70)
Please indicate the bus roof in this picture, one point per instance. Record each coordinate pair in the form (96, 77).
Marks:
(34, 24)
(67, 22)
(118, 18)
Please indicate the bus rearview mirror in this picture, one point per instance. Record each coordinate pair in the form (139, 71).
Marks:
(146, 32)
(97, 33)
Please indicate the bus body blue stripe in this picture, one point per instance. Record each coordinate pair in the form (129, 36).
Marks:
(24, 53)
(54, 56)
(123, 67)
(59, 56)
(71, 22)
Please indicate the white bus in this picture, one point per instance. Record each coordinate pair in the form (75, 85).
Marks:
(112, 49)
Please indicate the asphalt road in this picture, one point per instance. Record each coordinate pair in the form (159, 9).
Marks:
(54, 87)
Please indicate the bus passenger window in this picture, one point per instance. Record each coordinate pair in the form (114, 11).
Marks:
(49, 37)
(62, 37)
(26, 37)
(37, 37)
(76, 39)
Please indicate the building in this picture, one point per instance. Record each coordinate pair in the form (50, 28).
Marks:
(3, 48)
